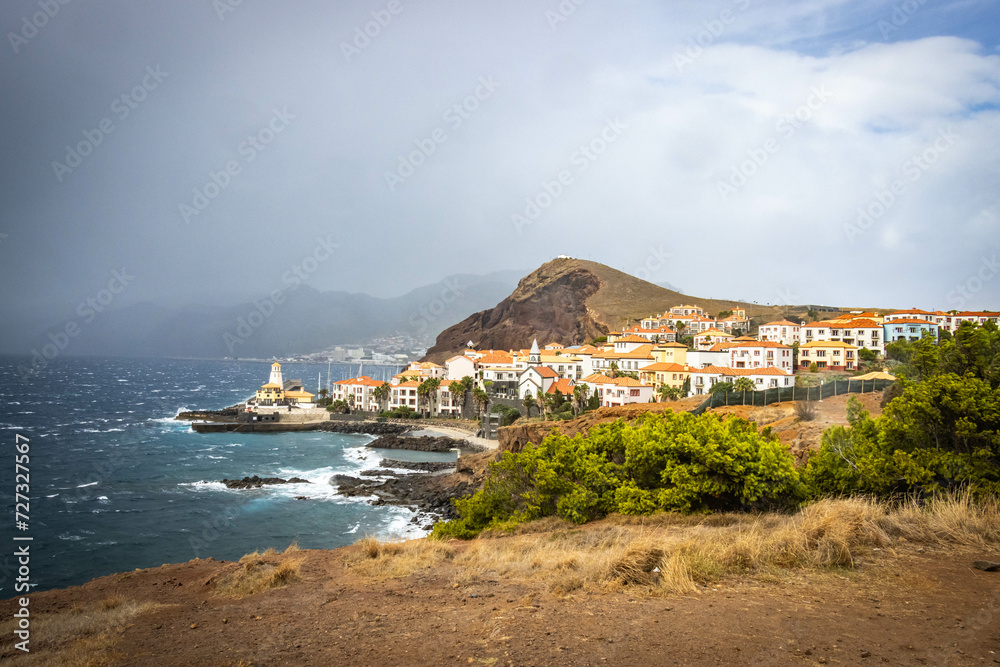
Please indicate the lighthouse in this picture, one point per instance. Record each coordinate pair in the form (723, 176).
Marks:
(276, 375)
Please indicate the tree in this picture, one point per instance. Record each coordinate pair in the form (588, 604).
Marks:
(580, 397)
(614, 370)
(528, 402)
(744, 384)
(433, 384)
(323, 393)
(459, 391)
(381, 394)
(339, 407)
(814, 367)
(812, 315)
(720, 387)
(668, 393)
(481, 398)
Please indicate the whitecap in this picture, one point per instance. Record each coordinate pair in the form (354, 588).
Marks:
(90, 484)
(70, 538)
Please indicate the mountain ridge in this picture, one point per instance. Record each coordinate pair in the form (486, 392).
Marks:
(571, 301)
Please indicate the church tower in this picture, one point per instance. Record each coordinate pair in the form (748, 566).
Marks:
(276, 375)
(534, 357)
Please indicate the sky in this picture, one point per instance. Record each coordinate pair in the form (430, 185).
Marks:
(193, 152)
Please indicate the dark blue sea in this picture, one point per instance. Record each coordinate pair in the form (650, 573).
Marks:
(118, 484)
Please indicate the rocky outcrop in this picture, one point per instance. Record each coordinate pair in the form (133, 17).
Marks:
(425, 466)
(256, 482)
(364, 427)
(421, 443)
(549, 304)
(416, 491)
(231, 413)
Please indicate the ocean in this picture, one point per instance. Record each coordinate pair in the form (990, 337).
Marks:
(118, 484)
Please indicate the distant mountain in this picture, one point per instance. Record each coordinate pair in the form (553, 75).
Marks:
(305, 320)
(571, 301)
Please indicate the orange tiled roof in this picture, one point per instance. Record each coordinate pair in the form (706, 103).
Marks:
(563, 385)
(666, 368)
(631, 339)
(781, 323)
(909, 320)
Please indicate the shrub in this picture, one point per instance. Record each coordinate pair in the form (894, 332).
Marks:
(805, 411)
(402, 412)
(813, 367)
(664, 461)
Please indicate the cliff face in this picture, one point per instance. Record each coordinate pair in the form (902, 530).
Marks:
(549, 304)
(568, 301)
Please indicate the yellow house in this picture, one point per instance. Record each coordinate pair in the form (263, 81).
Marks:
(670, 353)
(831, 355)
(270, 394)
(660, 373)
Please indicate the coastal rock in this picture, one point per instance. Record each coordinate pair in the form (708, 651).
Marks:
(427, 466)
(256, 482)
(366, 427)
(986, 566)
(421, 443)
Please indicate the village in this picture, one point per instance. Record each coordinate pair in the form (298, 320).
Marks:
(678, 353)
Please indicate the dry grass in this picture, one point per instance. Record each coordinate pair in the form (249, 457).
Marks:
(257, 572)
(82, 636)
(673, 554)
(389, 560)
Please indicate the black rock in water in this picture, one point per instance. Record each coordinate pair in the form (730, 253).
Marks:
(256, 482)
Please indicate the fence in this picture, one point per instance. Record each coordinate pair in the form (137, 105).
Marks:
(779, 394)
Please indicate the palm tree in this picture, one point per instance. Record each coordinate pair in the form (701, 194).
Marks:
(481, 398)
(323, 393)
(459, 391)
(382, 393)
(580, 397)
(423, 394)
(668, 393)
(528, 402)
(433, 384)
(614, 370)
(744, 384)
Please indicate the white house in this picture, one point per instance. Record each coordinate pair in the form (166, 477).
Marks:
(619, 390)
(703, 379)
(536, 380)
(459, 367)
(703, 358)
(781, 331)
(761, 354)
(358, 392)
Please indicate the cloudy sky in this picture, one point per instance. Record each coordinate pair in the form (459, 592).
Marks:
(812, 151)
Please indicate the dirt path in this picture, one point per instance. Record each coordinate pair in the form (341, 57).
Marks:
(915, 608)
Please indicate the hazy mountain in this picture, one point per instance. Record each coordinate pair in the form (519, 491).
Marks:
(301, 320)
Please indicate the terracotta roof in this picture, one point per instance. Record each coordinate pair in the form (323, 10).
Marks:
(563, 385)
(408, 383)
(740, 372)
(271, 385)
(544, 371)
(862, 324)
(659, 345)
(666, 367)
(496, 358)
(911, 311)
(631, 339)
(780, 323)
(714, 332)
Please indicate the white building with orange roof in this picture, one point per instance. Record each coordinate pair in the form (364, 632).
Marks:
(359, 393)
(781, 331)
(655, 334)
(564, 386)
(619, 390)
(703, 379)
(686, 310)
(717, 355)
(761, 354)
(631, 354)
(404, 394)
(710, 337)
(535, 380)
(861, 333)
(459, 367)
(976, 317)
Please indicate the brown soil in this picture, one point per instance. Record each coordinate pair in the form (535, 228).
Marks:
(907, 607)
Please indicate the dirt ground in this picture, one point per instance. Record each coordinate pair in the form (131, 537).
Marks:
(908, 607)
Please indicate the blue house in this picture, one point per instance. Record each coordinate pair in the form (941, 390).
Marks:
(908, 329)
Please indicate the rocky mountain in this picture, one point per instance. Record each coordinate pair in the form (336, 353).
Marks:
(570, 301)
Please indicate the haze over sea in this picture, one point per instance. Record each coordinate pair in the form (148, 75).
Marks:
(118, 484)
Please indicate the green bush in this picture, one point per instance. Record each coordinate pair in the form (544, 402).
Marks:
(939, 434)
(668, 461)
(402, 412)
